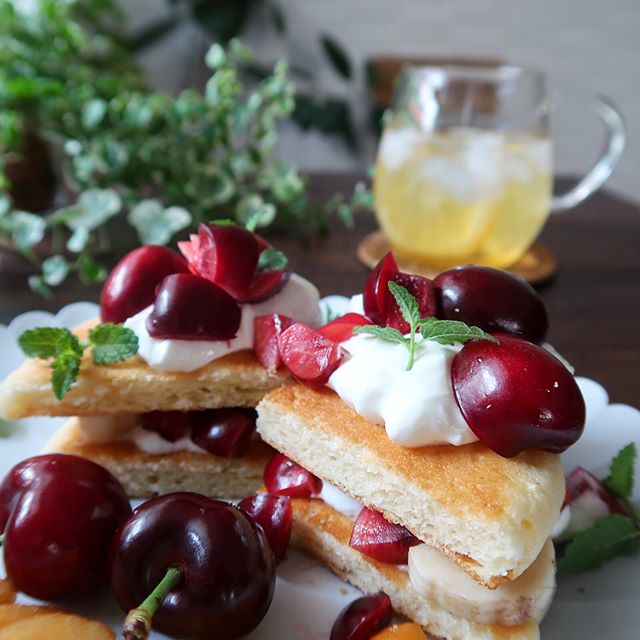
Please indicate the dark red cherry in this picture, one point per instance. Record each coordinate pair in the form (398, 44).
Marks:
(516, 396)
(188, 307)
(284, 477)
(581, 481)
(363, 618)
(310, 357)
(228, 570)
(275, 515)
(223, 432)
(376, 537)
(376, 288)
(59, 514)
(169, 425)
(493, 300)
(131, 286)
(266, 334)
(341, 328)
(421, 289)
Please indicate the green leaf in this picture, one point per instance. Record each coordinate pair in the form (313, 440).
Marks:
(451, 331)
(622, 471)
(54, 270)
(408, 304)
(155, 224)
(337, 56)
(6, 428)
(78, 240)
(39, 286)
(5, 205)
(271, 259)
(68, 344)
(65, 369)
(610, 536)
(93, 208)
(112, 343)
(253, 212)
(27, 229)
(93, 113)
(215, 56)
(41, 342)
(384, 333)
(90, 271)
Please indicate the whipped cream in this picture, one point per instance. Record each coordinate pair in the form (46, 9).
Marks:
(299, 300)
(417, 407)
(340, 501)
(152, 443)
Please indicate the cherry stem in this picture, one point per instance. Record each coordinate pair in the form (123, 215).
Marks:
(137, 624)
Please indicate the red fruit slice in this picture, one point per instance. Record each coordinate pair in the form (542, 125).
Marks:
(275, 515)
(516, 396)
(581, 481)
(169, 425)
(188, 307)
(310, 357)
(363, 618)
(376, 537)
(265, 285)
(131, 286)
(223, 432)
(376, 288)
(341, 328)
(226, 255)
(421, 289)
(266, 332)
(284, 477)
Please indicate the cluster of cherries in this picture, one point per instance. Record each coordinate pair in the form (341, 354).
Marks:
(197, 297)
(68, 530)
(513, 394)
(221, 432)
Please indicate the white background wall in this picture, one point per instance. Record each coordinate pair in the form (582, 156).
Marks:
(586, 45)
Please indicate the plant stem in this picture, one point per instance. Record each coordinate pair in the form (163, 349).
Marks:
(137, 624)
(412, 348)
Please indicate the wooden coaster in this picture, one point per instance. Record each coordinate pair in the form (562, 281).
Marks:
(537, 265)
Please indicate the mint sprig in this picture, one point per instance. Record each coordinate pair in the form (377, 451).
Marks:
(109, 342)
(610, 536)
(613, 535)
(271, 259)
(441, 331)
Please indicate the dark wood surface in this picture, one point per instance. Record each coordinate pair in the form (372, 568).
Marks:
(593, 302)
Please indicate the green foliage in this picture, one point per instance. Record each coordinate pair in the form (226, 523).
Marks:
(622, 472)
(167, 163)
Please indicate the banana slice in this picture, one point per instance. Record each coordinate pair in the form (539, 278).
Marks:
(444, 583)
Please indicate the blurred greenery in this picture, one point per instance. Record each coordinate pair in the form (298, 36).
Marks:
(170, 162)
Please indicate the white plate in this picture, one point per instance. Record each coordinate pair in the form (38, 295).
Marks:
(596, 605)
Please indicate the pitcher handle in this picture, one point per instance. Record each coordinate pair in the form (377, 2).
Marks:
(602, 169)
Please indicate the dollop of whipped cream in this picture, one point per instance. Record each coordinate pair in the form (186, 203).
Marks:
(416, 407)
(339, 500)
(299, 299)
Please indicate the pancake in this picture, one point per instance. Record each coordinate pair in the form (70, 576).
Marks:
(324, 533)
(235, 380)
(145, 475)
(490, 514)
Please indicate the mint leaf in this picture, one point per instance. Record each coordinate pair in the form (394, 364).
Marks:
(621, 473)
(41, 342)
(610, 536)
(408, 304)
(384, 333)
(112, 343)
(68, 345)
(271, 260)
(5, 428)
(451, 331)
(65, 369)
(224, 222)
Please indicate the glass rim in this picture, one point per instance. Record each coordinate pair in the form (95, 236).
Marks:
(472, 73)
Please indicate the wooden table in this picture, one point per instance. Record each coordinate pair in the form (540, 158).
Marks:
(593, 302)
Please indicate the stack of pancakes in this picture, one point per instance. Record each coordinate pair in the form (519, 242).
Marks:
(106, 403)
(484, 518)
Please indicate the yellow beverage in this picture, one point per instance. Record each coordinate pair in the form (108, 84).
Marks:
(462, 195)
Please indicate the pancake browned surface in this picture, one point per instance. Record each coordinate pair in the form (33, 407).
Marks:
(492, 515)
(133, 387)
(324, 533)
(144, 475)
